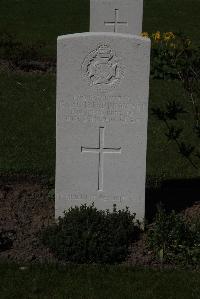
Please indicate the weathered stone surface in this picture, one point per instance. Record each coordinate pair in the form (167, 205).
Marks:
(102, 111)
(122, 16)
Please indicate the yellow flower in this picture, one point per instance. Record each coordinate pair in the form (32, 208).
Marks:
(156, 35)
(145, 34)
(168, 36)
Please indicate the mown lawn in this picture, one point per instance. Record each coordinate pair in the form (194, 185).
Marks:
(27, 123)
(41, 22)
(27, 101)
(27, 127)
(172, 15)
(92, 282)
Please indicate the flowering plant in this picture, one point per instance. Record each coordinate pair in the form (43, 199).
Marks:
(168, 53)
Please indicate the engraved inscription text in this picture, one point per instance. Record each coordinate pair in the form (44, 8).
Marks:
(93, 109)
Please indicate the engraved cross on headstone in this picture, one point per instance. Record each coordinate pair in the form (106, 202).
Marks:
(101, 150)
(116, 21)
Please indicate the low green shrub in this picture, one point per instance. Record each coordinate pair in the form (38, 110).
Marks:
(172, 55)
(175, 240)
(87, 235)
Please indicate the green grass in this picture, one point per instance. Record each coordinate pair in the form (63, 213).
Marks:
(27, 101)
(27, 123)
(172, 15)
(27, 127)
(163, 158)
(42, 21)
(92, 282)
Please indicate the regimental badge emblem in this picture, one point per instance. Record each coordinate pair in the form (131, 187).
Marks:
(102, 68)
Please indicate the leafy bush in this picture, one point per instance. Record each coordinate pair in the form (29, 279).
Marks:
(174, 239)
(172, 55)
(87, 235)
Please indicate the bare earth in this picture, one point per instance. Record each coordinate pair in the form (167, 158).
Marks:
(26, 208)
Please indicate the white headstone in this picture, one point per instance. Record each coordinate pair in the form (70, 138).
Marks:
(102, 111)
(119, 16)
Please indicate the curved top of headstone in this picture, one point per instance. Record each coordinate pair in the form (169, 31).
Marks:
(103, 62)
(118, 16)
(138, 38)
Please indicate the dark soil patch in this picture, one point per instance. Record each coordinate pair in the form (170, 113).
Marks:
(27, 66)
(26, 208)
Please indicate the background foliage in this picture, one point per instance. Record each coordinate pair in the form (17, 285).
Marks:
(174, 239)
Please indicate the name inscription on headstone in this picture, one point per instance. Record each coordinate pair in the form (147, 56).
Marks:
(100, 108)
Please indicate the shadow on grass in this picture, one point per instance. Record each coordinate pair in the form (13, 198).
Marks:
(173, 194)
